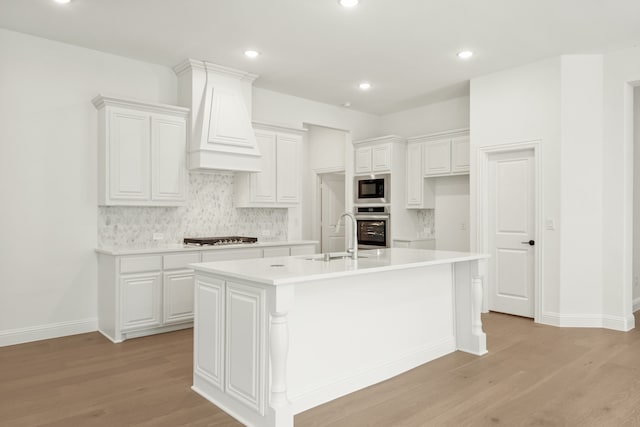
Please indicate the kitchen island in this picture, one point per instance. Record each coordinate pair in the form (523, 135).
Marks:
(275, 337)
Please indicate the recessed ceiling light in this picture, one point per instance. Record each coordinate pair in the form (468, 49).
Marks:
(465, 54)
(365, 86)
(62, 1)
(251, 53)
(349, 3)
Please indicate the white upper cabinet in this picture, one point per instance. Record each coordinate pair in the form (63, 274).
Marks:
(460, 154)
(127, 177)
(288, 168)
(420, 194)
(263, 184)
(373, 159)
(277, 185)
(446, 153)
(437, 157)
(168, 165)
(363, 160)
(141, 153)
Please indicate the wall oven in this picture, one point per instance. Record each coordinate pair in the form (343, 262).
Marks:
(373, 225)
(372, 189)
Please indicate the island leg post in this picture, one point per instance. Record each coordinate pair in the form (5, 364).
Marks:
(278, 348)
(468, 308)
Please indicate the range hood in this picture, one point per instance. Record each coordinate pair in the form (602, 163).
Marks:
(221, 134)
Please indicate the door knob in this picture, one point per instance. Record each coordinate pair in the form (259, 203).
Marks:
(530, 242)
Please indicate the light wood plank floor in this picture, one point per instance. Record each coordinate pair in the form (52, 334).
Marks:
(534, 375)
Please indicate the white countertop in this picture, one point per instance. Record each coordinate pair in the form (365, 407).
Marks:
(287, 270)
(188, 248)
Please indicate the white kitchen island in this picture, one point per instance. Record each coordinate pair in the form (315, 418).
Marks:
(275, 337)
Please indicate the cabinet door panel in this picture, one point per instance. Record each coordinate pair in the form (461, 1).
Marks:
(140, 300)
(168, 158)
(437, 157)
(460, 154)
(415, 177)
(245, 338)
(381, 158)
(263, 184)
(209, 326)
(363, 160)
(287, 164)
(178, 296)
(129, 144)
(231, 254)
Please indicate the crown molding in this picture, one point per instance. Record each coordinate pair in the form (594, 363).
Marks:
(101, 101)
(277, 128)
(381, 139)
(445, 134)
(195, 64)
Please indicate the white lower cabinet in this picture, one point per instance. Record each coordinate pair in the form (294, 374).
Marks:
(150, 293)
(178, 296)
(140, 296)
(245, 331)
(208, 351)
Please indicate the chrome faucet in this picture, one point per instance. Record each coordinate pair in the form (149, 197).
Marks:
(353, 250)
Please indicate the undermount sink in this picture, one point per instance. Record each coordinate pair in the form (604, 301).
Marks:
(331, 257)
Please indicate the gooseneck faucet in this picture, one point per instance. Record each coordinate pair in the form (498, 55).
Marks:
(353, 250)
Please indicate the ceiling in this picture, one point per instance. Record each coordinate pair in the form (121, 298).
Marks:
(318, 50)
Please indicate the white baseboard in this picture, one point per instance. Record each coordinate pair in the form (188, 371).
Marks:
(617, 323)
(45, 332)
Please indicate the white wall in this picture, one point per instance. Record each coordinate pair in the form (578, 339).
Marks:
(452, 213)
(516, 105)
(620, 69)
(48, 220)
(278, 108)
(437, 117)
(581, 185)
(636, 198)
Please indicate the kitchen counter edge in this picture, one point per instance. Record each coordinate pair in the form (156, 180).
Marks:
(189, 248)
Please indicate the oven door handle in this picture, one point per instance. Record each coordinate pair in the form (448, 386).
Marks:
(371, 217)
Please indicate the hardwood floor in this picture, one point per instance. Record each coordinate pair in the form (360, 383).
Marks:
(534, 375)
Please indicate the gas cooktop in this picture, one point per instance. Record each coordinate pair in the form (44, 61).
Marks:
(217, 241)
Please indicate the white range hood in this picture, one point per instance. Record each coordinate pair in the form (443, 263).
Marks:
(221, 135)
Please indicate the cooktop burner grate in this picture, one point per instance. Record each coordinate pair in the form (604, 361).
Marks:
(216, 241)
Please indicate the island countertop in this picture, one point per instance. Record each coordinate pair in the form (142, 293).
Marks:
(288, 270)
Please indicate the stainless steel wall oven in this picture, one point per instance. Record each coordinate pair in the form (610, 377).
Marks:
(373, 227)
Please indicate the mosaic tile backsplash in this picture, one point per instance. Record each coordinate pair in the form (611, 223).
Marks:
(209, 211)
(426, 221)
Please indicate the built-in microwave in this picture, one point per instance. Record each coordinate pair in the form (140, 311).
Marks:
(372, 189)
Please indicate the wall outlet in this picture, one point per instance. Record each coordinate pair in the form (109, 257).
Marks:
(158, 236)
(549, 224)
(463, 226)
(265, 233)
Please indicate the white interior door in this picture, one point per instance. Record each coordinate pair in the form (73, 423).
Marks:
(512, 234)
(331, 206)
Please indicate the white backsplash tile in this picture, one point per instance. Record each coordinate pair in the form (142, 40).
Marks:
(209, 212)
(427, 222)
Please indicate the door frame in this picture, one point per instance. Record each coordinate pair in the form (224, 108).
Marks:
(317, 210)
(481, 186)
